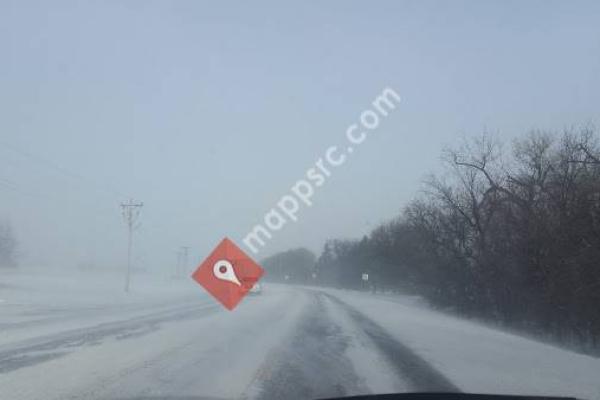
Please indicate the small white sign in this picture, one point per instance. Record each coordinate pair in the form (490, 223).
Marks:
(365, 277)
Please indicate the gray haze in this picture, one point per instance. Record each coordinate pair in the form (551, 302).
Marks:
(210, 112)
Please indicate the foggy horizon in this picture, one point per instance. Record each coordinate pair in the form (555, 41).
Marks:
(209, 113)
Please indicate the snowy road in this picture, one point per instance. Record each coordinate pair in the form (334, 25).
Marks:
(289, 342)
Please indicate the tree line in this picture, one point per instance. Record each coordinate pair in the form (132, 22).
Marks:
(507, 232)
(293, 266)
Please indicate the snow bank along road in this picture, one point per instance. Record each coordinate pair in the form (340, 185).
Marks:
(289, 342)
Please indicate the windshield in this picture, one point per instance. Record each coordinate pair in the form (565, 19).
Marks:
(299, 200)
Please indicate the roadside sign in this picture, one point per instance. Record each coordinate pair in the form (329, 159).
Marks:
(365, 277)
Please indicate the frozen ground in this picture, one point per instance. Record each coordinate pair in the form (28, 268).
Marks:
(64, 339)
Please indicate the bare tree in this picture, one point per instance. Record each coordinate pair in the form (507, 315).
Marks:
(509, 236)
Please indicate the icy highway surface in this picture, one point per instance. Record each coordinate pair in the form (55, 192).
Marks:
(287, 343)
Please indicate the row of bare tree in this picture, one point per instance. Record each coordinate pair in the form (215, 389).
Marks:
(507, 233)
(293, 266)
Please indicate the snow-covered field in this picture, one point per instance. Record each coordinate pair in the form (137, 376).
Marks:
(34, 302)
(78, 336)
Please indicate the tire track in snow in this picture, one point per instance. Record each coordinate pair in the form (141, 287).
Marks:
(312, 364)
(422, 375)
(38, 350)
(338, 351)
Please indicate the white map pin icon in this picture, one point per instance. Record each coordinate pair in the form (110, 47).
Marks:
(224, 271)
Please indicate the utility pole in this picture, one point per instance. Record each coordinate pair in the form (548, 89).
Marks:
(131, 212)
(184, 261)
(178, 265)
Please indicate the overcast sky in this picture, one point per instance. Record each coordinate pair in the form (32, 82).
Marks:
(209, 112)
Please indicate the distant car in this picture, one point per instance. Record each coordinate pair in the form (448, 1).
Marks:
(256, 289)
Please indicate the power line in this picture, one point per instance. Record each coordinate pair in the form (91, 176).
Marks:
(59, 169)
(6, 184)
(48, 164)
(52, 197)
